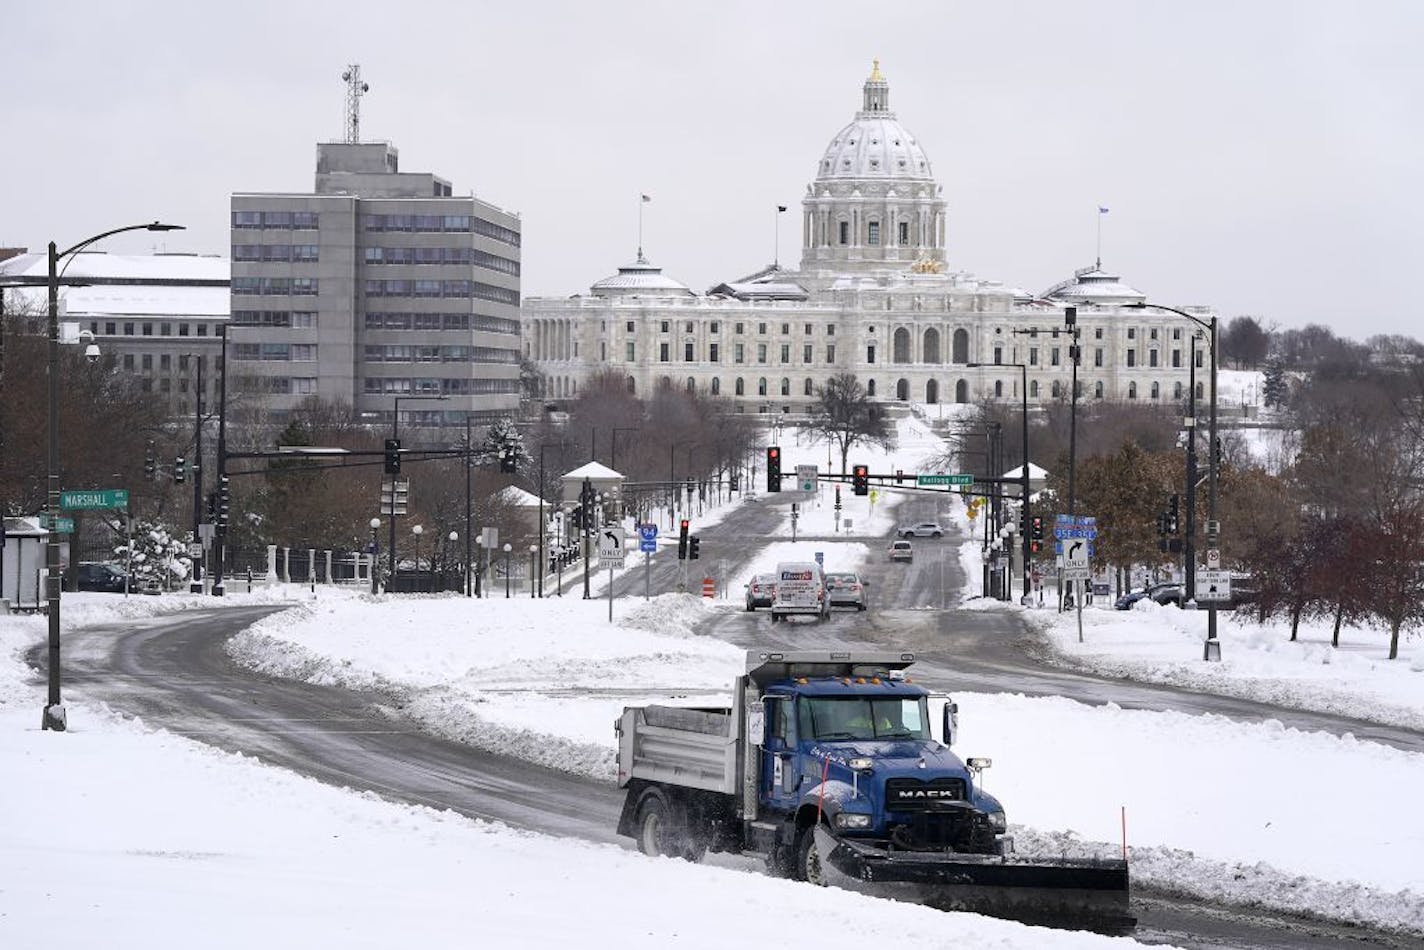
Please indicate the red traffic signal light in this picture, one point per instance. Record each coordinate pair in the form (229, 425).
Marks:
(683, 524)
(860, 479)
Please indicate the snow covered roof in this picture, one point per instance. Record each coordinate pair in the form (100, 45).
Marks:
(128, 284)
(519, 498)
(1034, 473)
(592, 470)
(639, 277)
(1094, 285)
(762, 290)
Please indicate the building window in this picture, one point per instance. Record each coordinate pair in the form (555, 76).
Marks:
(1033, 356)
(870, 353)
(1176, 359)
(844, 233)
(1156, 390)
(687, 352)
(806, 353)
(714, 327)
(739, 329)
(1199, 359)
(761, 329)
(872, 234)
(998, 355)
(664, 326)
(810, 388)
(785, 353)
(1098, 357)
(808, 329)
(1053, 356)
(904, 233)
(785, 387)
(1097, 334)
(712, 353)
(662, 352)
(998, 389)
(1152, 358)
(629, 351)
(129, 362)
(148, 329)
(128, 329)
(1131, 357)
(688, 327)
(1152, 334)
(183, 362)
(785, 329)
(1132, 333)
(148, 362)
(1033, 389)
(761, 386)
(831, 353)
(1131, 390)
(739, 387)
(830, 329)
(202, 329)
(716, 386)
(1176, 333)
(870, 387)
(1098, 390)
(739, 353)
(629, 327)
(165, 363)
(761, 352)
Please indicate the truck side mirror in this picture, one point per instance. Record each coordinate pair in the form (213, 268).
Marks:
(951, 721)
(756, 723)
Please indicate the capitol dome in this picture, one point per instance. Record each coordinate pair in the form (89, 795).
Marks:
(1091, 285)
(874, 144)
(639, 277)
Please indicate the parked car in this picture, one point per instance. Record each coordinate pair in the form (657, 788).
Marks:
(761, 591)
(109, 579)
(1168, 592)
(845, 590)
(901, 551)
(925, 529)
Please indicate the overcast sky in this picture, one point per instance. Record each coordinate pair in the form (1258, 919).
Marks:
(1261, 157)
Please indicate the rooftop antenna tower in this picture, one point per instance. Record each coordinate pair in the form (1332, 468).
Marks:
(355, 89)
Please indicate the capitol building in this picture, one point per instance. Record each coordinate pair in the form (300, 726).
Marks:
(875, 296)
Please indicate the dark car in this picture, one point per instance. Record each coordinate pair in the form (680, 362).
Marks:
(1168, 592)
(105, 578)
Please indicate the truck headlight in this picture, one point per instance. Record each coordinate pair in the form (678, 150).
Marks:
(998, 822)
(861, 764)
(847, 820)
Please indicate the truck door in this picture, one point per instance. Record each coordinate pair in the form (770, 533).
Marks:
(779, 778)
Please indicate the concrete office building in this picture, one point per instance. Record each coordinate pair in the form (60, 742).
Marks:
(153, 315)
(377, 285)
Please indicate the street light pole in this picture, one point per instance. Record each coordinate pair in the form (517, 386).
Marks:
(469, 467)
(1212, 648)
(54, 715)
(507, 548)
(1023, 470)
(533, 553)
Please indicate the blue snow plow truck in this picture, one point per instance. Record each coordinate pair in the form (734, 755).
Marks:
(826, 766)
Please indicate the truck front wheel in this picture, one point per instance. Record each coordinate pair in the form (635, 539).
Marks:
(808, 861)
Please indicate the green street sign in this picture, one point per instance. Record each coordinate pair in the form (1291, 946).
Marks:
(59, 525)
(97, 499)
(921, 481)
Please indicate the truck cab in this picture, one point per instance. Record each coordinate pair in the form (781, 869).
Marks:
(858, 752)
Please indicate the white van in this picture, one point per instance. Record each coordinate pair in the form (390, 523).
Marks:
(800, 589)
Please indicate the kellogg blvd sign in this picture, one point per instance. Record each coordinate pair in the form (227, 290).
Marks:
(97, 499)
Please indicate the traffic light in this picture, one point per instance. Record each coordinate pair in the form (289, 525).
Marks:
(507, 459)
(1070, 317)
(180, 470)
(1037, 527)
(860, 479)
(682, 541)
(393, 459)
(734, 482)
(1023, 523)
(223, 499)
(150, 463)
(899, 475)
(212, 506)
(1172, 518)
(693, 543)
(773, 468)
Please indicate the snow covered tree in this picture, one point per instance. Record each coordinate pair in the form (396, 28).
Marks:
(501, 437)
(845, 415)
(1274, 389)
(158, 557)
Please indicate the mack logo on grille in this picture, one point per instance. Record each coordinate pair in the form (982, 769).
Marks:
(912, 794)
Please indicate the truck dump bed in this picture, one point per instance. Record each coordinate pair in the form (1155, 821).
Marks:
(693, 748)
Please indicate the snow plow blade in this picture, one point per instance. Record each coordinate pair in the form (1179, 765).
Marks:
(1055, 892)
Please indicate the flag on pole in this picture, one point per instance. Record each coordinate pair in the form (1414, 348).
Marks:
(1101, 209)
(646, 198)
(780, 208)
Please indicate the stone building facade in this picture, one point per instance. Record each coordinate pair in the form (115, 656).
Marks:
(874, 296)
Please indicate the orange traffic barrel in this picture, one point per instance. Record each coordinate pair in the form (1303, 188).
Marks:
(709, 587)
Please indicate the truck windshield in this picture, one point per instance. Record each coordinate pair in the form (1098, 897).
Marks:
(859, 717)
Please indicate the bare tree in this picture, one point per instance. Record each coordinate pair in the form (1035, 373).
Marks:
(847, 416)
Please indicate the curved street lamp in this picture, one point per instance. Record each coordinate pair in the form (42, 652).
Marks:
(1211, 650)
(54, 715)
(375, 527)
(507, 548)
